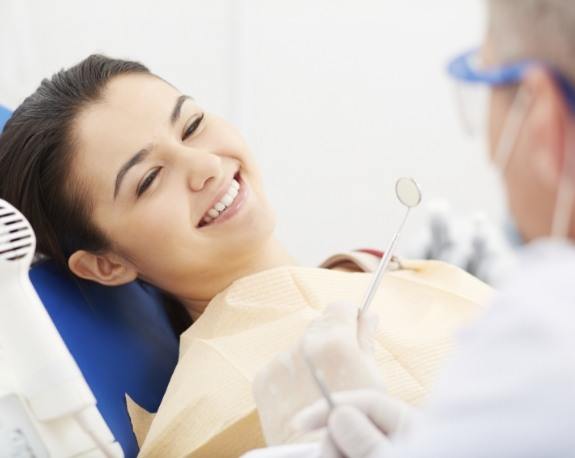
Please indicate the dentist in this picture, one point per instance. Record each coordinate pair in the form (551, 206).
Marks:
(509, 389)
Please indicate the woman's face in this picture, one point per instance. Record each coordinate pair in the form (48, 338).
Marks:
(163, 178)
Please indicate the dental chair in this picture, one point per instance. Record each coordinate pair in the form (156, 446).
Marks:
(120, 337)
(4, 115)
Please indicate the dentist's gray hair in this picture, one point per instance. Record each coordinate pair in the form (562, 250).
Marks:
(538, 29)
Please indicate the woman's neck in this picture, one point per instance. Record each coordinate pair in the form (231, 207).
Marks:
(270, 256)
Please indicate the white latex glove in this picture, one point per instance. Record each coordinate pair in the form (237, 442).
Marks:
(340, 349)
(312, 450)
(360, 426)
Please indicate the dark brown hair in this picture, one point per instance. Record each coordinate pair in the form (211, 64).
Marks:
(36, 151)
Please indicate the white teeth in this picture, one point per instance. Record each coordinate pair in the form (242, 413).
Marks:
(227, 200)
(224, 203)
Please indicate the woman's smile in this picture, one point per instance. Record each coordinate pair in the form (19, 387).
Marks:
(227, 203)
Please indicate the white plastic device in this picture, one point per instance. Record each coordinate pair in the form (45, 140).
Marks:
(35, 364)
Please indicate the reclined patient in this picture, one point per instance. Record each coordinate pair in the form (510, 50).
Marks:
(123, 177)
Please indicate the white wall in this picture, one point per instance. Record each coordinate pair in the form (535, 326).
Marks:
(187, 42)
(337, 97)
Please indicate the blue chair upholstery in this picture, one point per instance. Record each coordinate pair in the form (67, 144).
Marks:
(4, 115)
(121, 338)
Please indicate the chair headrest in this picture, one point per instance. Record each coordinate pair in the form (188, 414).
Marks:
(120, 337)
(4, 116)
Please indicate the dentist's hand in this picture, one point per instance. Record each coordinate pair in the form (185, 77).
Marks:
(339, 347)
(360, 426)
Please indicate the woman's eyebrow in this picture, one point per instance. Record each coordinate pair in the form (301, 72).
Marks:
(144, 152)
(134, 160)
(178, 108)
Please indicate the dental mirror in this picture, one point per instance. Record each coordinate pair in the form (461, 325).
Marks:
(409, 194)
(407, 191)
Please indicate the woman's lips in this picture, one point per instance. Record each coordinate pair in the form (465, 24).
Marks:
(231, 210)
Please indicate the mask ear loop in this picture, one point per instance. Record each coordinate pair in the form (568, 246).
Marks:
(566, 192)
(512, 127)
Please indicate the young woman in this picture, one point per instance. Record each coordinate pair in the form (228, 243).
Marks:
(123, 177)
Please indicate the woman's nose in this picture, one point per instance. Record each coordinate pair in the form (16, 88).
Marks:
(202, 167)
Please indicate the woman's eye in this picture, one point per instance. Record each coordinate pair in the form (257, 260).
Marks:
(193, 126)
(147, 182)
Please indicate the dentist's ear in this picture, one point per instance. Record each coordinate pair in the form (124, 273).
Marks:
(547, 122)
(106, 269)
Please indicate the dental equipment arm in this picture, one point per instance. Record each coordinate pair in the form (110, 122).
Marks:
(474, 243)
(47, 386)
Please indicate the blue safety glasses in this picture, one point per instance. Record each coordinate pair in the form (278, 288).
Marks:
(474, 82)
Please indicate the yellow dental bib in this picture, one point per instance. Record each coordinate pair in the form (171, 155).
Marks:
(208, 409)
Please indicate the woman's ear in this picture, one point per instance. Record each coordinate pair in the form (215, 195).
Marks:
(106, 269)
(548, 122)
